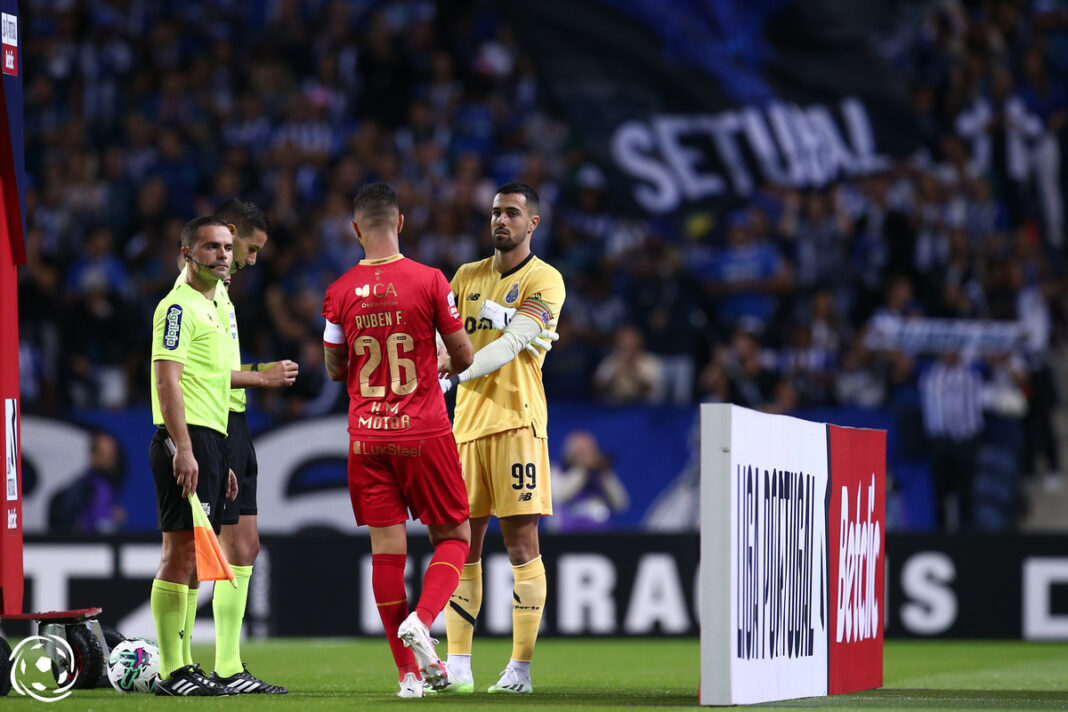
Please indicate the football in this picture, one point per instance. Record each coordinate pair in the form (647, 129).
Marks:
(133, 665)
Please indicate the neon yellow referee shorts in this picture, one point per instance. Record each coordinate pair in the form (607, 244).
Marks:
(507, 474)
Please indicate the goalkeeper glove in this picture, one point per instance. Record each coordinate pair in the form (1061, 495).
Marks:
(544, 340)
(495, 314)
(448, 383)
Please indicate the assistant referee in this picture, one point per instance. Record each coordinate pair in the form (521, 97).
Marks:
(191, 363)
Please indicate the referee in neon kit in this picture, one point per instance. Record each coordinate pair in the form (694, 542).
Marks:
(191, 363)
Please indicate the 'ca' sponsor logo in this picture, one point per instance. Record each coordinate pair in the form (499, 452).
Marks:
(174, 327)
(42, 667)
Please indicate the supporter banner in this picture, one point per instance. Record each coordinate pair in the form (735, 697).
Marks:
(688, 103)
(920, 335)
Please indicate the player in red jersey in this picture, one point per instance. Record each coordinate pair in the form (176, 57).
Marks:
(381, 316)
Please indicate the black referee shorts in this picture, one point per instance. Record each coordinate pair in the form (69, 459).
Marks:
(242, 457)
(172, 509)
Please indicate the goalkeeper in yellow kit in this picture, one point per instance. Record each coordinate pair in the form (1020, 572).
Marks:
(509, 304)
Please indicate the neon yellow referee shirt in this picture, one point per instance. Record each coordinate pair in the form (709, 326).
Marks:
(228, 317)
(186, 328)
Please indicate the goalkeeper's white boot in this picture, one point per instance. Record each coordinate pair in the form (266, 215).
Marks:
(411, 686)
(416, 636)
(512, 682)
(460, 686)
(461, 681)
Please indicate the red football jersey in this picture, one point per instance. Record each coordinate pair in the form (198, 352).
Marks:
(389, 310)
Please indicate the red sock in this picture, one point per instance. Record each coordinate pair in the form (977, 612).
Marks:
(387, 582)
(441, 578)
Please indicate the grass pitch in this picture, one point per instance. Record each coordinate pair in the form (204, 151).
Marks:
(604, 674)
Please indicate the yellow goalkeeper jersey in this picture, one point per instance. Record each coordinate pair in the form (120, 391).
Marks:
(513, 396)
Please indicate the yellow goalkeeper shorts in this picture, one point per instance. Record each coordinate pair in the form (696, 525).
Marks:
(507, 474)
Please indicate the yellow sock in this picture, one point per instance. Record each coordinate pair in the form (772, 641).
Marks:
(463, 609)
(168, 602)
(228, 605)
(527, 606)
(190, 618)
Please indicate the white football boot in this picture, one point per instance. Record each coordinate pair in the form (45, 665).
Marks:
(512, 682)
(411, 686)
(461, 681)
(417, 637)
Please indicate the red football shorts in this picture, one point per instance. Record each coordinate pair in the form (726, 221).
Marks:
(390, 478)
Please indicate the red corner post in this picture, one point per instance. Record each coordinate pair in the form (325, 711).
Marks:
(11, 492)
(12, 253)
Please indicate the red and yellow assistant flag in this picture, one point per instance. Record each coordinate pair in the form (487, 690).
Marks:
(211, 561)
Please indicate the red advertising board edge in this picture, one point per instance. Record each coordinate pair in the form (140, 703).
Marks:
(856, 543)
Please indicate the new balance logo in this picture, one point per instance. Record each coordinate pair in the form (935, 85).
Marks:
(524, 496)
(474, 297)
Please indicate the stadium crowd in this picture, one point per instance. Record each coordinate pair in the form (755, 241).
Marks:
(140, 115)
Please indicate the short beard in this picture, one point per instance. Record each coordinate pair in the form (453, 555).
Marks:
(507, 245)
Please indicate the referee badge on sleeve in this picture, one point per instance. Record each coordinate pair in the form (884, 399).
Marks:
(173, 331)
